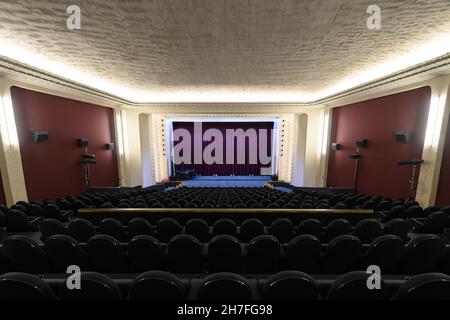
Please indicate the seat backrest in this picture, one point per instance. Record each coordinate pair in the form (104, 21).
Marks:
(26, 255)
(251, 228)
(157, 285)
(290, 285)
(81, 229)
(263, 254)
(17, 221)
(283, 229)
(224, 254)
(113, 228)
(435, 223)
(310, 226)
(303, 253)
(24, 286)
(224, 286)
(337, 227)
(353, 286)
(94, 286)
(198, 228)
(50, 227)
(367, 230)
(342, 254)
(139, 226)
(145, 253)
(397, 227)
(166, 228)
(422, 254)
(225, 226)
(427, 286)
(106, 254)
(185, 254)
(386, 252)
(64, 251)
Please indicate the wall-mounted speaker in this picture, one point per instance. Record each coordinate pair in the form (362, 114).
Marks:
(40, 136)
(81, 143)
(336, 146)
(362, 143)
(109, 146)
(403, 136)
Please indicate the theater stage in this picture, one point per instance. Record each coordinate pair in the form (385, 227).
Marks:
(227, 181)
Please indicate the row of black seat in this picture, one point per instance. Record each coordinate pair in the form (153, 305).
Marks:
(287, 285)
(263, 254)
(282, 228)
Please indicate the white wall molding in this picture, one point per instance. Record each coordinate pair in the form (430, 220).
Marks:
(10, 157)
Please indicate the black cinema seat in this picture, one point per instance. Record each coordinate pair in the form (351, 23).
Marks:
(139, 226)
(428, 286)
(342, 255)
(94, 286)
(145, 253)
(224, 254)
(24, 286)
(290, 285)
(64, 251)
(303, 253)
(26, 255)
(185, 254)
(353, 286)
(167, 228)
(157, 285)
(106, 254)
(263, 254)
(224, 286)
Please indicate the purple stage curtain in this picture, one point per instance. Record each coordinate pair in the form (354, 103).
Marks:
(225, 169)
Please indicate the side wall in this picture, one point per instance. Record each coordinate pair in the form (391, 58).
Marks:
(52, 168)
(377, 120)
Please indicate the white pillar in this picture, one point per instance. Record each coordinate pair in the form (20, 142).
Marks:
(434, 141)
(10, 158)
(148, 164)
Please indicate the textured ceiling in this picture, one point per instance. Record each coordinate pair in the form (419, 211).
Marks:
(219, 50)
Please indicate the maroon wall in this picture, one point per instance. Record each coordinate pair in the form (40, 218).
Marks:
(52, 168)
(443, 192)
(377, 120)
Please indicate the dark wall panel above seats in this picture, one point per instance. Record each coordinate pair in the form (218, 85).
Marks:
(377, 120)
(443, 192)
(52, 168)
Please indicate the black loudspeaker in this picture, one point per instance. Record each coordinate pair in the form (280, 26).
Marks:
(40, 136)
(82, 142)
(336, 146)
(362, 143)
(403, 136)
(109, 146)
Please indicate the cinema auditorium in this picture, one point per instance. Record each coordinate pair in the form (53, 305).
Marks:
(226, 150)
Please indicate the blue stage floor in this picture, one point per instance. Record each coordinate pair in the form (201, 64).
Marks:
(225, 181)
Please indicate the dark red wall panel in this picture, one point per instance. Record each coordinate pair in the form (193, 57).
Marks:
(443, 193)
(52, 168)
(377, 120)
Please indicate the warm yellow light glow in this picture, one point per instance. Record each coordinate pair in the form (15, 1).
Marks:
(8, 122)
(325, 128)
(119, 134)
(435, 47)
(434, 123)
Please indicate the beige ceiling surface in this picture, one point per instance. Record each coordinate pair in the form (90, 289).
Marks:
(143, 48)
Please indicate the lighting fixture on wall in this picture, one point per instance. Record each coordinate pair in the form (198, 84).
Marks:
(40, 136)
(336, 146)
(109, 146)
(403, 136)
